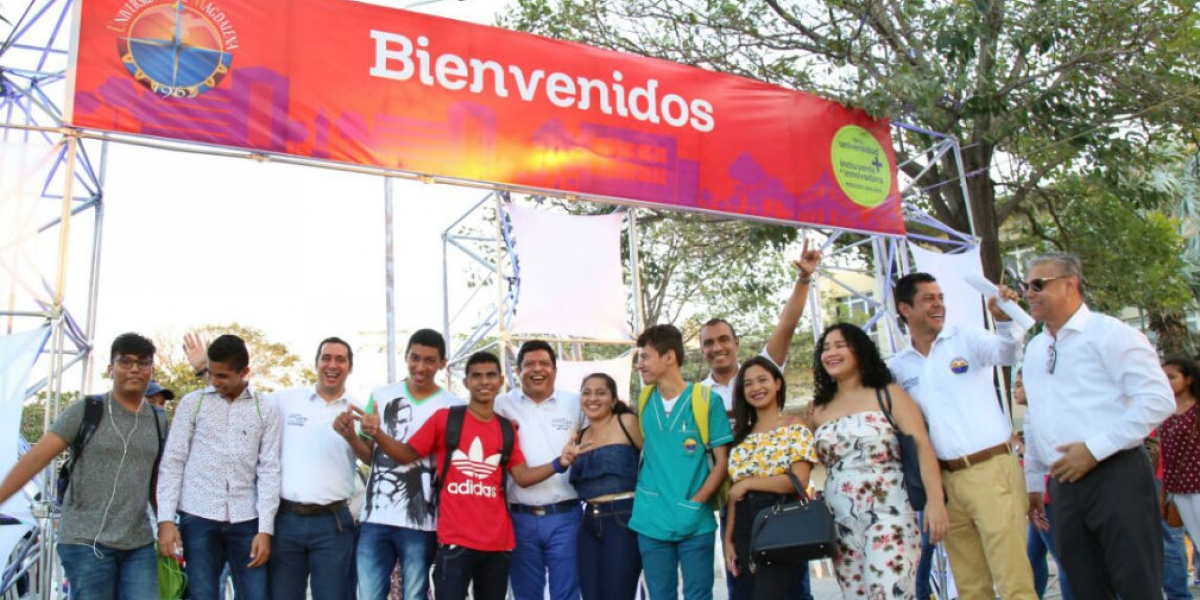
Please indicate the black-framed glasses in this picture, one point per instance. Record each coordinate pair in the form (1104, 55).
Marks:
(1052, 359)
(128, 363)
(1039, 284)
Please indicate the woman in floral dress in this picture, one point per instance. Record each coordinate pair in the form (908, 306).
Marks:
(879, 542)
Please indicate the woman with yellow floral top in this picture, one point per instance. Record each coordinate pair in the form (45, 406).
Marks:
(767, 443)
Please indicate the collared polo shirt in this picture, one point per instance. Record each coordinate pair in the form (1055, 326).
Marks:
(318, 464)
(544, 428)
(954, 386)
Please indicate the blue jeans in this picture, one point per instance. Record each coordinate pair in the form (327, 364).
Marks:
(545, 546)
(380, 546)
(1175, 567)
(318, 545)
(208, 544)
(1039, 545)
(608, 560)
(124, 574)
(662, 561)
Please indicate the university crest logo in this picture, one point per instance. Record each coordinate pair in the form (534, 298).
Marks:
(177, 49)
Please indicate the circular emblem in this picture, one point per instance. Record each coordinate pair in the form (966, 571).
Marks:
(959, 366)
(690, 445)
(859, 166)
(177, 49)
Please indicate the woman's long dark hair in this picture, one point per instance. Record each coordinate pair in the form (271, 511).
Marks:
(874, 372)
(744, 415)
(1187, 367)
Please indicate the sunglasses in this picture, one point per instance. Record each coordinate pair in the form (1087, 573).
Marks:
(1052, 359)
(1039, 284)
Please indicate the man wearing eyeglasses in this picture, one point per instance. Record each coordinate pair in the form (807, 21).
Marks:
(948, 371)
(105, 541)
(1096, 390)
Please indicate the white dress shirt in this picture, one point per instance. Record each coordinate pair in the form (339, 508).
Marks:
(318, 464)
(221, 461)
(544, 428)
(953, 385)
(1107, 390)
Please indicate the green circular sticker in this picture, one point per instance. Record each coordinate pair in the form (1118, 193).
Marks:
(860, 166)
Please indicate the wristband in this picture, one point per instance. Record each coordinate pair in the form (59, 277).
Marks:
(202, 372)
(557, 465)
(805, 279)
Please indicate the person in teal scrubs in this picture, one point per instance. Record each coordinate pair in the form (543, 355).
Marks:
(680, 476)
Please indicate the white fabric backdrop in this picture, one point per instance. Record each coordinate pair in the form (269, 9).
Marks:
(963, 303)
(18, 352)
(570, 269)
(571, 374)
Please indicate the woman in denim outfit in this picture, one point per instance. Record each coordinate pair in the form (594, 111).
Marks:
(605, 474)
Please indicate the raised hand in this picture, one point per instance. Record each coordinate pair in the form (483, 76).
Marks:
(808, 261)
(370, 422)
(196, 351)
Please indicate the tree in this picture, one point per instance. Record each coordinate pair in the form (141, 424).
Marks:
(1032, 89)
(1140, 249)
(272, 365)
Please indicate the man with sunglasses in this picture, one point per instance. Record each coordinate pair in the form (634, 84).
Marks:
(1096, 390)
(948, 371)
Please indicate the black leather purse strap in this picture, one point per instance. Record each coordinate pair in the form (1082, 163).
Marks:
(799, 488)
(880, 393)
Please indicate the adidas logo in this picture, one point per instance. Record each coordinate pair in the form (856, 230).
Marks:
(473, 463)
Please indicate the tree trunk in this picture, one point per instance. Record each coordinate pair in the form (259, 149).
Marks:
(1171, 331)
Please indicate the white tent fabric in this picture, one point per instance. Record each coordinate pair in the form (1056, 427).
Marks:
(571, 373)
(24, 169)
(570, 275)
(964, 305)
(18, 352)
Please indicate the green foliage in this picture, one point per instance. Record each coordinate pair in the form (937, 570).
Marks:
(272, 365)
(1131, 255)
(1033, 90)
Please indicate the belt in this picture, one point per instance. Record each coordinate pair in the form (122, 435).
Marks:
(548, 509)
(610, 498)
(308, 510)
(962, 462)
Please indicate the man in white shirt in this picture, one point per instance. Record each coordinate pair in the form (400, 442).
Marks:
(314, 531)
(948, 370)
(398, 519)
(220, 471)
(545, 516)
(1096, 390)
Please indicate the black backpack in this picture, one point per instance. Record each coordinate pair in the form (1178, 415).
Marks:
(93, 412)
(454, 427)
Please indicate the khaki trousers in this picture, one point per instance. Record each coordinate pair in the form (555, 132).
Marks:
(986, 541)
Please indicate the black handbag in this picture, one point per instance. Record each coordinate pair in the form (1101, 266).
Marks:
(909, 462)
(790, 533)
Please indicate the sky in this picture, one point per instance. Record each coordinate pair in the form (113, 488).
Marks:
(297, 252)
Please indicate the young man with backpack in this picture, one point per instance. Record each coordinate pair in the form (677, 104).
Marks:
(105, 541)
(474, 450)
(683, 464)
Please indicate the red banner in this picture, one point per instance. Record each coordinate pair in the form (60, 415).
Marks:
(357, 83)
